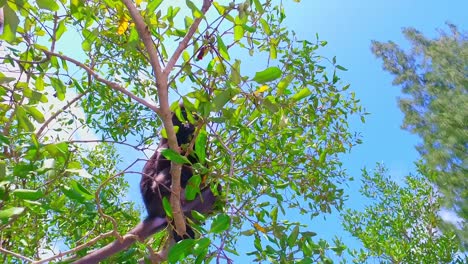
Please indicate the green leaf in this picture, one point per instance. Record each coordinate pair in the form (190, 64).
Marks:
(2, 169)
(58, 149)
(200, 145)
(284, 83)
(220, 223)
(267, 75)
(221, 9)
(152, 5)
(10, 212)
(259, 6)
(341, 68)
(273, 51)
(198, 216)
(193, 187)
(167, 206)
(323, 156)
(292, 239)
(48, 4)
(40, 83)
(265, 26)
(195, 11)
(235, 72)
(301, 94)
(186, 56)
(4, 79)
(223, 98)
(23, 119)
(28, 194)
(223, 49)
(180, 250)
(36, 114)
(77, 192)
(201, 245)
(238, 29)
(133, 38)
(11, 22)
(174, 156)
(72, 194)
(60, 88)
(61, 28)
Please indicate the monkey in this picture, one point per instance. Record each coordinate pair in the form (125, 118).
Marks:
(155, 184)
(156, 179)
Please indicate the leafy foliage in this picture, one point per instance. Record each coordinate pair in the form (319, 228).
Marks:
(275, 133)
(400, 226)
(434, 78)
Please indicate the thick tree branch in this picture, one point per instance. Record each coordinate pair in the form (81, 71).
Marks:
(165, 112)
(145, 36)
(203, 204)
(113, 85)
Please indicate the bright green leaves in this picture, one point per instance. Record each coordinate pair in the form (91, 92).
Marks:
(200, 145)
(50, 5)
(223, 51)
(11, 21)
(10, 212)
(239, 28)
(303, 93)
(173, 156)
(89, 38)
(180, 250)
(235, 72)
(195, 11)
(223, 97)
(284, 83)
(167, 206)
(193, 187)
(59, 87)
(23, 119)
(36, 114)
(186, 247)
(258, 6)
(152, 6)
(77, 192)
(267, 75)
(221, 223)
(28, 194)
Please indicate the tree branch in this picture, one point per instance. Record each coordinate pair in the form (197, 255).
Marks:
(113, 85)
(203, 203)
(53, 116)
(184, 43)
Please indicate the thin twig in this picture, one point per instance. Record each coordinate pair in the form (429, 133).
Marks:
(61, 110)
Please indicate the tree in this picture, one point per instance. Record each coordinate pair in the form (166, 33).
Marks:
(273, 137)
(433, 76)
(400, 226)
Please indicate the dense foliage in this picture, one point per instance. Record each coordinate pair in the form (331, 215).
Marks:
(275, 128)
(433, 77)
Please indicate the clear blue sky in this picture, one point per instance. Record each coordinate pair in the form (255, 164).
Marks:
(349, 27)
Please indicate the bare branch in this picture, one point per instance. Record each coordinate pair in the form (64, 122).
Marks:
(113, 85)
(61, 110)
(5, 251)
